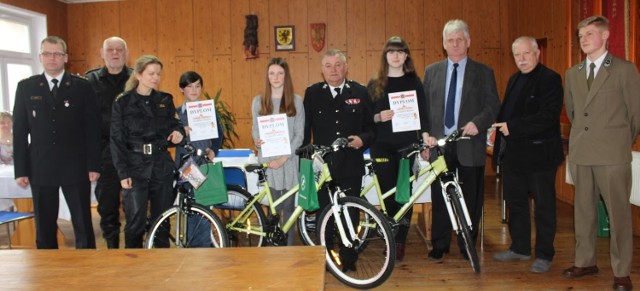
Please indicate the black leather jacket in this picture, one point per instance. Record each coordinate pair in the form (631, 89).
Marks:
(143, 121)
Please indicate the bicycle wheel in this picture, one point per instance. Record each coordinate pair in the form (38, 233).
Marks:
(465, 230)
(195, 227)
(370, 261)
(307, 225)
(244, 232)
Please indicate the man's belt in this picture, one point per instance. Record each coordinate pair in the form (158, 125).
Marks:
(147, 148)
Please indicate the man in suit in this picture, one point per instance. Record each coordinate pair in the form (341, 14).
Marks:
(462, 95)
(603, 104)
(56, 132)
(108, 82)
(335, 108)
(529, 148)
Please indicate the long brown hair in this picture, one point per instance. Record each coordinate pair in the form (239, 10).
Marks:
(379, 83)
(287, 105)
(141, 64)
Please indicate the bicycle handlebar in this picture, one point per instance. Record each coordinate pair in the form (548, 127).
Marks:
(335, 146)
(418, 147)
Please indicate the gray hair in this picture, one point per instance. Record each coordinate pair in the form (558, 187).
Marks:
(114, 39)
(455, 25)
(335, 52)
(534, 43)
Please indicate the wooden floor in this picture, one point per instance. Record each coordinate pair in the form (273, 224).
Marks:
(454, 273)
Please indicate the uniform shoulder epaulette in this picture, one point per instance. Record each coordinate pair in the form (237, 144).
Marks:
(119, 96)
(92, 70)
(316, 84)
(79, 76)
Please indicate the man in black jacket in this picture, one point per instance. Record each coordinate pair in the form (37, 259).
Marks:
(335, 108)
(109, 81)
(529, 148)
(56, 131)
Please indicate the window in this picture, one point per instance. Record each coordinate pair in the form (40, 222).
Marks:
(18, 57)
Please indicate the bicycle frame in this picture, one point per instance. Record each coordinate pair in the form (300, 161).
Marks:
(325, 176)
(434, 170)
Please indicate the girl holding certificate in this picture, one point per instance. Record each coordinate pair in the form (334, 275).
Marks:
(400, 116)
(279, 101)
(191, 84)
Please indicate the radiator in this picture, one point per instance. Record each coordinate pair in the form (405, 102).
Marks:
(635, 178)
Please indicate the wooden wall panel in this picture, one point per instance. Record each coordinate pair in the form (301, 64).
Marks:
(356, 44)
(375, 26)
(299, 65)
(433, 23)
(220, 18)
(298, 18)
(394, 18)
(337, 24)
(414, 17)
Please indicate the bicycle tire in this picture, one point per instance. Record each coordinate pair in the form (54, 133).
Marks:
(465, 230)
(227, 212)
(376, 253)
(195, 219)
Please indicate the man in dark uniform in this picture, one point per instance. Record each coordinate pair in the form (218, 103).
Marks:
(339, 108)
(56, 131)
(109, 81)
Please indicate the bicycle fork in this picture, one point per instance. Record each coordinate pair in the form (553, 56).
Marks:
(341, 214)
(460, 197)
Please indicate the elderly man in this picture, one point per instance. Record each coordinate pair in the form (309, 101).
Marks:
(529, 147)
(450, 84)
(56, 132)
(108, 81)
(601, 97)
(335, 108)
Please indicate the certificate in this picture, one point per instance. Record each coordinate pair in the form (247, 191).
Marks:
(406, 116)
(274, 133)
(201, 116)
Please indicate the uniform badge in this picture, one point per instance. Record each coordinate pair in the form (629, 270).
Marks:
(161, 105)
(36, 98)
(607, 63)
(66, 103)
(317, 35)
(352, 101)
(33, 113)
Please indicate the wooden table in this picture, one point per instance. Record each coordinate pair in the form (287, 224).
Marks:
(280, 268)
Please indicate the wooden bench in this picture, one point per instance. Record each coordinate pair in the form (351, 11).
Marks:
(280, 268)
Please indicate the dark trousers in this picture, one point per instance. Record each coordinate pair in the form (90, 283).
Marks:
(108, 194)
(541, 186)
(157, 193)
(46, 204)
(472, 184)
(387, 173)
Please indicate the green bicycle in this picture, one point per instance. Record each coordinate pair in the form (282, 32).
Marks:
(451, 191)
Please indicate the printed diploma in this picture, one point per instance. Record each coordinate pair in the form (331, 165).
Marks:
(406, 116)
(274, 132)
(201, 116)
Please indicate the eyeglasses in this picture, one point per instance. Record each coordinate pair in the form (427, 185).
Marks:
(114, 50)
(55, 55)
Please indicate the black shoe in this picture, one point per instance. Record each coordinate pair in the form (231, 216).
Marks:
(436, 254)
(349, 257)
(465, 256)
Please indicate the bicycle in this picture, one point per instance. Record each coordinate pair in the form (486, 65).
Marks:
(180, 225)
(451, 191)
(247, 225)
